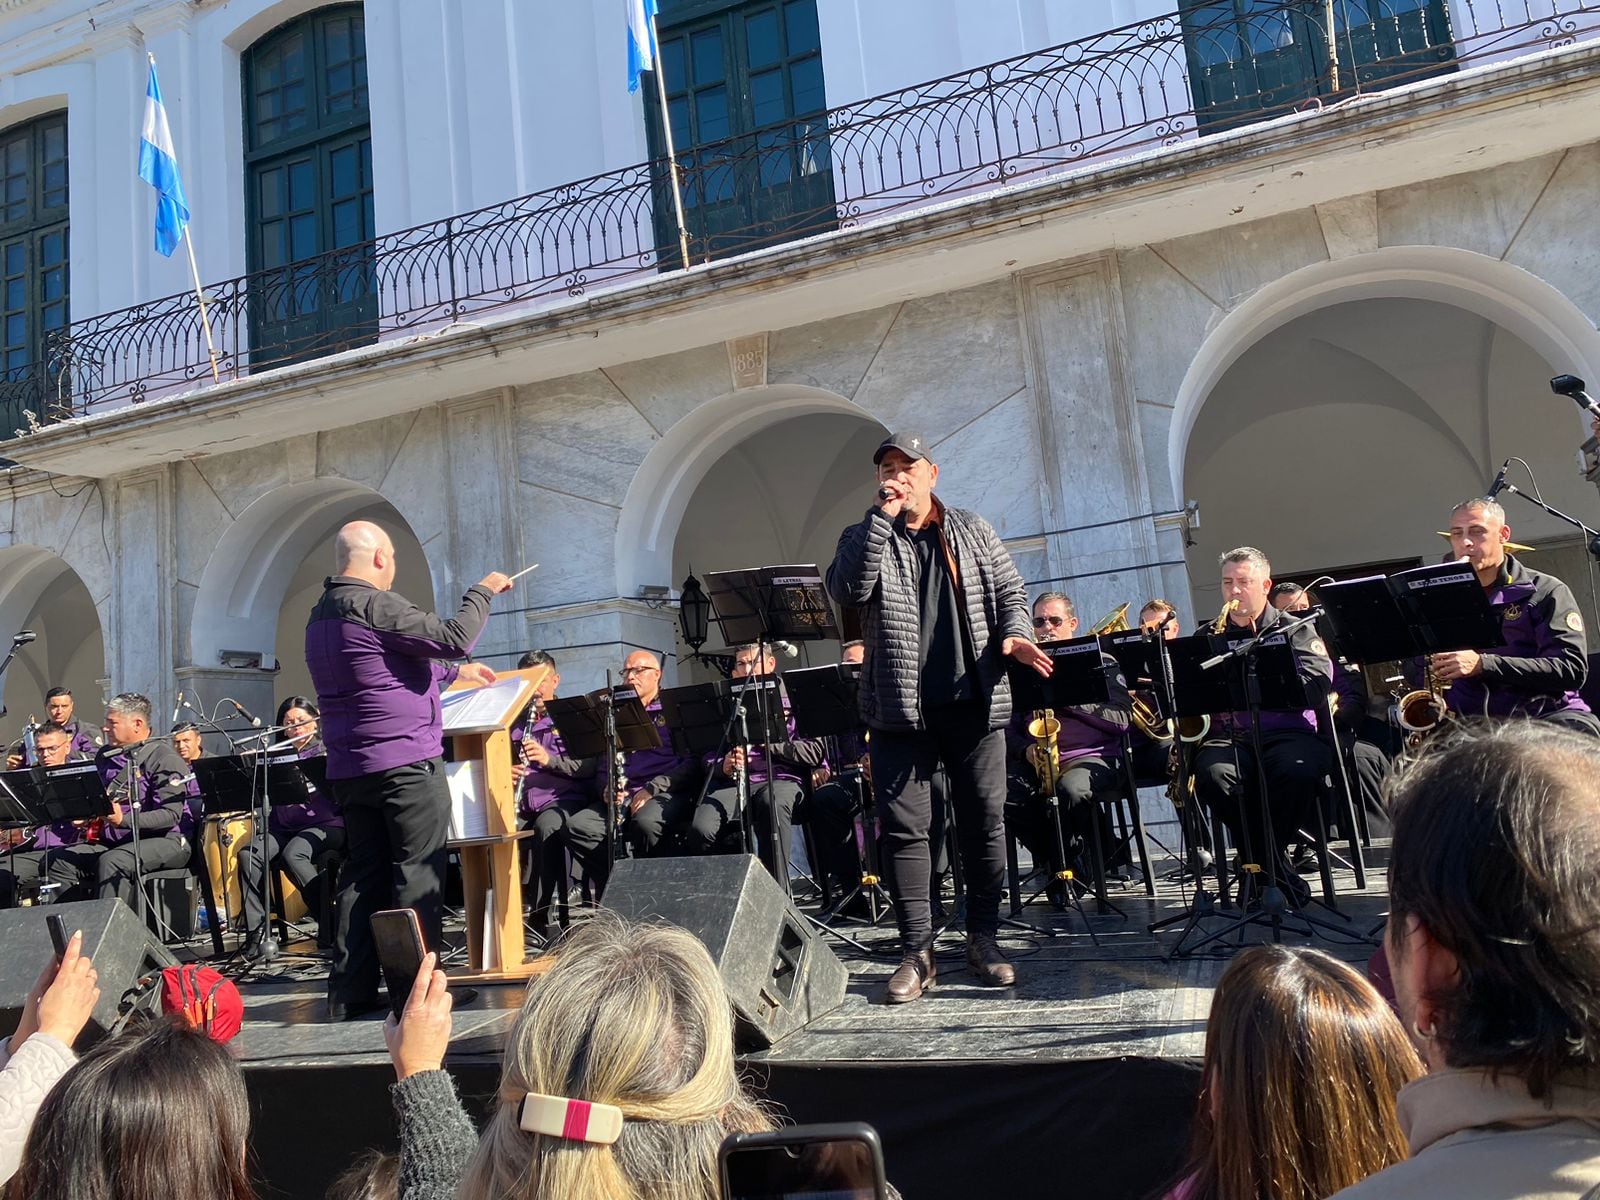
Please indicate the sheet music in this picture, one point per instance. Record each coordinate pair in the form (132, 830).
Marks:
(469, 813)
(473, 709)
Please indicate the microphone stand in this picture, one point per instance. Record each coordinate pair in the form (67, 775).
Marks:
(270, 947)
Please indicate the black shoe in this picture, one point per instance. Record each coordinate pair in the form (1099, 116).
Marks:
(353, 1010)
(255, 945)
(461, 997)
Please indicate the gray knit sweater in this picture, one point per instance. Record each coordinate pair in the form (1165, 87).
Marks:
(26, 1077)
(437, 1139)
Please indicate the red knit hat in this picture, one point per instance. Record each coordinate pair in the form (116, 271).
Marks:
(203, 997)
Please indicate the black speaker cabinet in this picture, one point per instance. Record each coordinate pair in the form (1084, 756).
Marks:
(122, 949)
(777, 969)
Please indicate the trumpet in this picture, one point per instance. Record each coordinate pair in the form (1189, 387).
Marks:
(1046, 753)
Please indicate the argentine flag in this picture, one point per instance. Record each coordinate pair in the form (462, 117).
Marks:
(158, 167)
(641, 40)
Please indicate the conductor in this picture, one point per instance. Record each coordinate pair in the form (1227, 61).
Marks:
(378, 663)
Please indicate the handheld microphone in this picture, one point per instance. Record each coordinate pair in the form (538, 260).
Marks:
(177, 709)
(1572, 388)
(883, 493)
(1499, 485)
(246, 713)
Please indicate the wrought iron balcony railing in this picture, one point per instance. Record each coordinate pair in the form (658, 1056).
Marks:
(1157, 82)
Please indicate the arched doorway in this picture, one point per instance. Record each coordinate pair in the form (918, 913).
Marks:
(263, 578)
(1343, 437)
(40, 591)
(761, 477)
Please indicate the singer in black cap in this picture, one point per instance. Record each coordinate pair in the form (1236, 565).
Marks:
(942, 608)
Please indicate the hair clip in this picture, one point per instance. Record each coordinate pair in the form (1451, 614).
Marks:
(575, 1120)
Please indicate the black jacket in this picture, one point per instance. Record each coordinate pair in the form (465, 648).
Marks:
(875, 569)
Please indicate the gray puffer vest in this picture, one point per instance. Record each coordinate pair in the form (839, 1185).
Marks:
(875, 569)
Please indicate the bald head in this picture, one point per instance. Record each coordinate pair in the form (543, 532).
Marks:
(642, 670)
(364, 551)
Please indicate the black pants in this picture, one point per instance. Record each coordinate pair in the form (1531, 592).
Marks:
(832, 812)
(712, 824)
(1085, 783)
(903, 764)
(1368, 766)
(659, 825)
(94, 869)
(301, 856)
(1225, 780)
(1150, 760)
(396, 823)
(578, 827)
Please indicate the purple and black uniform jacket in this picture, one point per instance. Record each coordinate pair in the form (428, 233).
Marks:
(563, 779)
(662, 769)
(315, 812)
(85, 741)
(1544, 660)
(1087, 730)
(1313, 666)
(793, 758)
(160, 790)
(374, 660)
(1350, 689)
(60, 833)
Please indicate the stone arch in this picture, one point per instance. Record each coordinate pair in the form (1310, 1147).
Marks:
(245, 580)
(676, 465)
(40, 590)
(1507, 295)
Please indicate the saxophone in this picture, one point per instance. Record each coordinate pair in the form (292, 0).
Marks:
(1186, 733)
(1046, 754)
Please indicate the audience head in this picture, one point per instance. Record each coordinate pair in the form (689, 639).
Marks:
(128, 718)
(58, 705)
(1303, 1061)
(363, 551)
(159, 1113)
(633, 1016)
(1494, 929)
(373, 1176)
(299, 716)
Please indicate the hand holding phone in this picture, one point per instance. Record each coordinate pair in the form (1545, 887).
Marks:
(804, 1162)
(58, 934)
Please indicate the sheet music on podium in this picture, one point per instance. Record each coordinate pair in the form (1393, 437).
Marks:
(477, 709)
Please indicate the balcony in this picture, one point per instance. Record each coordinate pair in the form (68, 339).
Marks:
(1050, 112)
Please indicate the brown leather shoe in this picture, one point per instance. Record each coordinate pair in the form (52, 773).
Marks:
(988, 961)
(915, 975)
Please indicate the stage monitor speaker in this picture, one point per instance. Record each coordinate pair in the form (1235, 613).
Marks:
(122, 949)
(777, 969)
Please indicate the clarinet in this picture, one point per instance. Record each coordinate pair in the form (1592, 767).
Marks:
(535, 715)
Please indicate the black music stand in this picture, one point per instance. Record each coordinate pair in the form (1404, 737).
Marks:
(823, 700)
(760, 606)
(45, 795)
(1079, 677)
(605, 724)
(1427, 610)
(1261, 674)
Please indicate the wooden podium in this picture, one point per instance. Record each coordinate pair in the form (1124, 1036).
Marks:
(478, 721)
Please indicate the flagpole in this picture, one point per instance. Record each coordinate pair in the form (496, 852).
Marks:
(200, 295)
(660, 73)
(194, 270)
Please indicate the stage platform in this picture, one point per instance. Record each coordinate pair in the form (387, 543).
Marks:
(1080, 1080)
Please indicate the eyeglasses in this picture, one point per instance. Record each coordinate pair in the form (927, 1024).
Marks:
(1053, 622)
(639, 670)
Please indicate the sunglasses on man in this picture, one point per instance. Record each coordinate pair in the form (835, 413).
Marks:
(1053, 622)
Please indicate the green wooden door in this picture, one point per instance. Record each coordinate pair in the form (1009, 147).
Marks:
(745, 94)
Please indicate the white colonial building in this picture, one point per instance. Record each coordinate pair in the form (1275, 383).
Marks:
(1153, 283)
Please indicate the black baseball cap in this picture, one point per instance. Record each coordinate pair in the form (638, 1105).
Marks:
(912, 445)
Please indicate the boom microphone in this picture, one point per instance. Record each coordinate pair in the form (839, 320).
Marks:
(787, 649)
(1572, 387)
(246, 713)
(177, 709)
(1499, 484)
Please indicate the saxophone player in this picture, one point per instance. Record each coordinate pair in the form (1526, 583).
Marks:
(1088, 744)
(1294, 757)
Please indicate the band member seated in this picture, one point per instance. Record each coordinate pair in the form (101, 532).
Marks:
(146, 781)
(1293, 754)
(301, 837)
(26, 865)
(1544, 661)
(774, 789)
(1089, 750)
(60, 708)
(1369, 762)
(1151, 755)
(556, 793)
(837, 802)
(663, 785)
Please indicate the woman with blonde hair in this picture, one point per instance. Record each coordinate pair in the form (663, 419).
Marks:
(618, 1081)
(1297, 1098)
